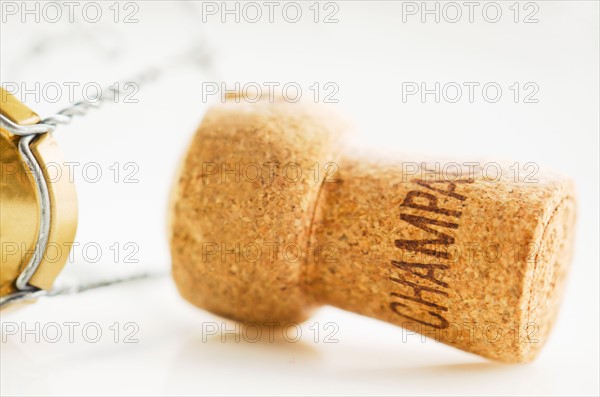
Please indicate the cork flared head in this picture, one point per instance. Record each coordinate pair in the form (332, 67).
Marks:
(242, 208)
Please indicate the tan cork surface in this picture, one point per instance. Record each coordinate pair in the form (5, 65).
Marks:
(473, 261)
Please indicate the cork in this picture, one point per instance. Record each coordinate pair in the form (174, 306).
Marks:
(271, 218)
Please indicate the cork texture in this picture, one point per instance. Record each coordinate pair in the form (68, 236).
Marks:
(477, 264)
(472, 261)
(239, 200)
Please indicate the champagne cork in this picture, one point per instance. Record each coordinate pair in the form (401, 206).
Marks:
(271, 219)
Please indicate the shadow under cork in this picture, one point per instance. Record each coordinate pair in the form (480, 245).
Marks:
(240, 366)
(235, 347)
(431, 375)
(343, 368)
(237, 344)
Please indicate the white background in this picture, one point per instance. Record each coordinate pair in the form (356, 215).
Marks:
(368, 54)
